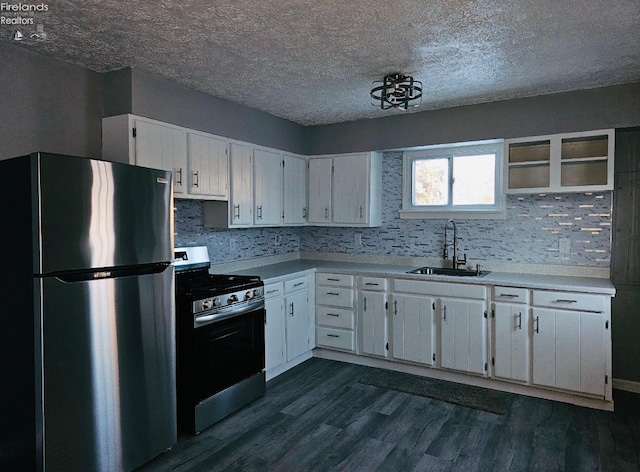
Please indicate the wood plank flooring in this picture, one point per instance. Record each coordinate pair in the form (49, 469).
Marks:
(317, 417)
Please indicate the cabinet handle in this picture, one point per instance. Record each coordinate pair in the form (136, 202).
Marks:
(291, 309)
(298, 284)
(561, 300)
(259, 212)
(519, 320)
(179, 176)
(304, 212)
(271, 291)
(334, 280)
(395, 307)
(333, 314)
(236, 211)
(509, 295)
(537, 324)
(444, 310)
(333, 293)
(360, 212)
(326, 213)
(364, 303)
(370, 283)
(333, 335)
(196, 179)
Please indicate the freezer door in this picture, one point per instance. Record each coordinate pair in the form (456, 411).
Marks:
(108, 370)
(95, 214)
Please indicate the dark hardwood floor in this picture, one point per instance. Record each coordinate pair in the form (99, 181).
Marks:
(317, 417)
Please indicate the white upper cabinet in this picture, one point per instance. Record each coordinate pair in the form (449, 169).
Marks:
(320, 171)
(571, 162)
(345, 190)
(241, 176)
(295, 190)
(268, 188)
(208, 165)
(147, 143)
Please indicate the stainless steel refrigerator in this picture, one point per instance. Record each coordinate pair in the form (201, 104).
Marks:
(87, 331)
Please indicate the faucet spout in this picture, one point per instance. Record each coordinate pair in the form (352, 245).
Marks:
(455, 261)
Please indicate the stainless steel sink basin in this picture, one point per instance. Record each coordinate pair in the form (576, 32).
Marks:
(450, 272)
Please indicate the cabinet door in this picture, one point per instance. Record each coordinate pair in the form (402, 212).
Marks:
(463, 335)
(208, 166)
(241, 201)
(510, 340)
(268, 188)
(320, 170)
(295, 190)
(569, 350)
(274, 333)
(350, 189)
(374, 323)
(297, 316)
(412, 328)
(162, 147)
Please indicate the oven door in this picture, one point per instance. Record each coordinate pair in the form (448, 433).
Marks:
(227, 352)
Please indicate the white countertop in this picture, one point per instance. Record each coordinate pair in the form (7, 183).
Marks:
(273, 272)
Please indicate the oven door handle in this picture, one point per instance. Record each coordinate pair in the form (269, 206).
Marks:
(202, 320)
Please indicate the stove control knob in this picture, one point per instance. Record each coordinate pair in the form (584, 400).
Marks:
(217, 302)
(206, 305)
(232, 299)
(249, 295)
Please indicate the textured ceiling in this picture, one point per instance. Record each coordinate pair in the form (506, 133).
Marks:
(314, 61)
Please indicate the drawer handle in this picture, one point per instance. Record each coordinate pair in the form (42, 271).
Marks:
(371, 283)
(561, 300)
(334, 280)
(509, 295)
(272, 291)
(333, 314)
(333, 293)
(333, 335)
(298, 284)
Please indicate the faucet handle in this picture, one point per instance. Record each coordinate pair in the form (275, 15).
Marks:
(478, 269)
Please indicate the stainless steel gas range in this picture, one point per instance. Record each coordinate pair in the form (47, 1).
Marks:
(220, 340)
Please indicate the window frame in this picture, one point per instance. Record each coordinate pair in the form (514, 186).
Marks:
(449, 151)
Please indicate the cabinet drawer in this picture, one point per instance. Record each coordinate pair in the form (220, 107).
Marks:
(440, 289)
(273, 290)
(298, 283)
(335, 338)
(339, 280)
(510, 294)
(334, 296)
(570, 300)
(335, 317)
(374, 283)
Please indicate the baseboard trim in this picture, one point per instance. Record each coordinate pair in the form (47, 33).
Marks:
(626, 385)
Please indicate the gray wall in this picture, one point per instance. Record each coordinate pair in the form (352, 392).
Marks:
(607, 107)
(141, 93)
(47, 105)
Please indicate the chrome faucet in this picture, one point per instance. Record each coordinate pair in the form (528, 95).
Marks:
(455, 262)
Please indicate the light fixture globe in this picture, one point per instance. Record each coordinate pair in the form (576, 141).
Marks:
(396, 91)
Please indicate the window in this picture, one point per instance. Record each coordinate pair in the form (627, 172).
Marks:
(458, 179)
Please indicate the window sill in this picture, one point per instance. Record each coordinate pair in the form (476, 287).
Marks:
(459, 214)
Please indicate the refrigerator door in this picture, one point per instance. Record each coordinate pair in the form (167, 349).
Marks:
(108, 369)
(96, 214)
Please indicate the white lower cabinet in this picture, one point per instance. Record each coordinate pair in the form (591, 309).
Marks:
(335, 314)
(413, 328)
(289, 329)
(569, 350)
(463, 335)
(510, 322)
(274, 330)
(373, 306)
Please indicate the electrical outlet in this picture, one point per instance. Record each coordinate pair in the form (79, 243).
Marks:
(357, 239)
(232, 244)
(564, 246)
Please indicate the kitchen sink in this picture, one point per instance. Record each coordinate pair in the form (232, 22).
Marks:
(450, 272)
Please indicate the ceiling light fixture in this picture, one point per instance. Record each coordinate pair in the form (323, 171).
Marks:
(396, 91)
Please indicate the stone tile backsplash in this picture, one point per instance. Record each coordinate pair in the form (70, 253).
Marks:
(529, 234)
